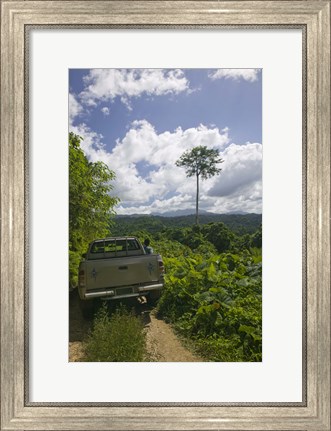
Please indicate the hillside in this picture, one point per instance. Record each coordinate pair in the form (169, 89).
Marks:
(240, 224)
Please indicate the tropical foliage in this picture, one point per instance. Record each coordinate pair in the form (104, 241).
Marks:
(213, 289)
(90, 204)
(240, 224)
(213, 282)
(216, 301)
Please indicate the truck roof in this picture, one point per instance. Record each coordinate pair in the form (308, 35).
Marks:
(114, 238)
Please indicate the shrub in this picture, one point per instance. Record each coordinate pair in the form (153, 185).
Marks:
(221, 349)
(216, 302)
(116, 338)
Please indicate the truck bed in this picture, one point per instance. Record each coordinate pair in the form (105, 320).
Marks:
(116, 271)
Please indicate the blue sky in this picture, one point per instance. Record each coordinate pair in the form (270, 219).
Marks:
(140, 121)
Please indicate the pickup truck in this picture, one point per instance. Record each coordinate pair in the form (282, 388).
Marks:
(118, 268)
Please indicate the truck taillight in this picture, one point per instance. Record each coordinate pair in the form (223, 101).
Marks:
(161, 267)
(82, 277)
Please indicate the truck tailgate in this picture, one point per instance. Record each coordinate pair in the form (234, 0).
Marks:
(115, 272)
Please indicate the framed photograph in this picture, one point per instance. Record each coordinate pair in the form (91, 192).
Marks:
(183, 193)
(146, 90)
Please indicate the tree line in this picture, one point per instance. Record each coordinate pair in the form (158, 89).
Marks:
(90, 203)
(240, 224)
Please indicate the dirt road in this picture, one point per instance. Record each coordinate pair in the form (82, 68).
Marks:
(162, 343)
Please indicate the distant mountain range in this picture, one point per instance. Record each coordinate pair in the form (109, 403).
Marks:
(179, 213)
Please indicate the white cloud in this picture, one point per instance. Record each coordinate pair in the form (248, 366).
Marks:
(92, 143)
(75, 108)
(160, 206)
(144, 161)
(247, 199)
(107, 84)
(249, 75)
(242, 166)
(147, 179)
(158, 153)
(105, 111)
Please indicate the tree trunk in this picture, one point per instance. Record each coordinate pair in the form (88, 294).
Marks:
(197, 203)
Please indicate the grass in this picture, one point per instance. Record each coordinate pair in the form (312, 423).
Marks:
(119, 337)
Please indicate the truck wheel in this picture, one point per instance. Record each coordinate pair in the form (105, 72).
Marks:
(154, 296)
(87, 309)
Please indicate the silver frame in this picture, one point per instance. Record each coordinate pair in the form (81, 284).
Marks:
(17, 413)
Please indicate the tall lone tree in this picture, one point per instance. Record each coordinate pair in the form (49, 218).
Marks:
(200, 161)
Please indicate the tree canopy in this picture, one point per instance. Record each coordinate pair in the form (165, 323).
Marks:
(90, 202)
(200, 161)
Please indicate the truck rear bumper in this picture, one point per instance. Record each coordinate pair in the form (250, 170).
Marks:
(144, 289)
(131, 292)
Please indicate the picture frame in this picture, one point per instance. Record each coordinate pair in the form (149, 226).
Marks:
(17, 412)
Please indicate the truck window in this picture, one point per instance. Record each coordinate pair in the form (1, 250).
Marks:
(97, 247)
(115, 248)
(133, 245)
(112, 245)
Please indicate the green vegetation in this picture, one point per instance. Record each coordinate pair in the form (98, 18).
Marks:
(239, 224)
(90, 204)
(213, 282)
(213, 289)
(200, 162)
(216, 302)
(116, 338)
